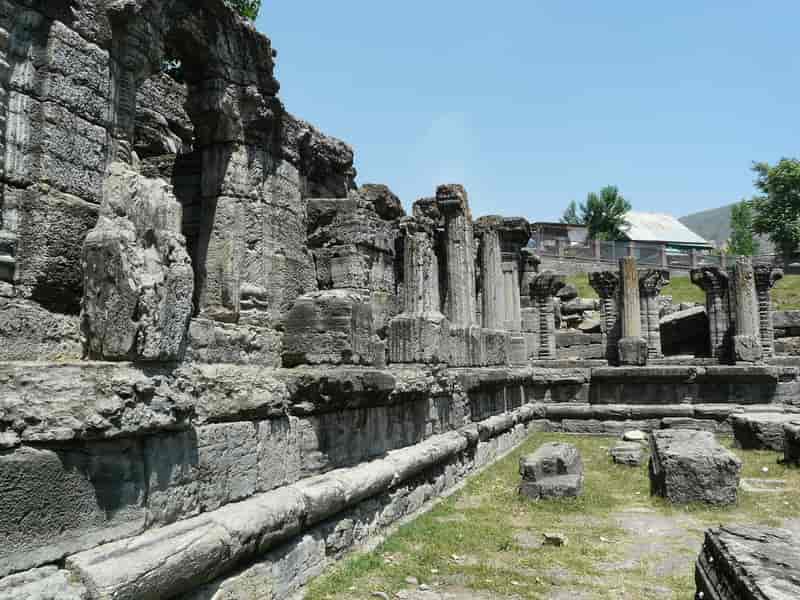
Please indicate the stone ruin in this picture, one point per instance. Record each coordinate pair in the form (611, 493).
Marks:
(225, 363)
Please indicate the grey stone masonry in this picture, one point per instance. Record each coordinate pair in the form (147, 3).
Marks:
(459, 277)
(555, 470)
(651, 282)
(543, 290)
(760, 431)
(791, 442)
(747, 343)
(606, 284)
(716, 285)
(420, 333)
(748, 563)
(633, 348)
(766, 276)
(691, 466)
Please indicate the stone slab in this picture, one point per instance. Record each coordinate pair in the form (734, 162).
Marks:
(760, 431)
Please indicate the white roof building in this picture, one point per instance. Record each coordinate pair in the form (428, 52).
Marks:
(663, 229)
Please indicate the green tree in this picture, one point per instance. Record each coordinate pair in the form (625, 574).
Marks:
(777, 211)
(743, 240)
(604, 214)
(247, 8)
(570, 216)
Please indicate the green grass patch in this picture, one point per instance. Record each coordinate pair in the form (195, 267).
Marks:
(484, 538)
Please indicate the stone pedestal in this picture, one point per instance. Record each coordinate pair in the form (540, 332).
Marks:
(632, 346)
(420, 333)
(747, 341)
(606, 284)
(716, 285)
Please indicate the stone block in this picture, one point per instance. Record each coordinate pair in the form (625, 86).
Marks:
(691, 466)
(791, 443)
(329, 327)
(747, 348)
(788, 345)
(56, 502)
(631, 454)
(419, 339)
(632, 351)
(555, 470)
(45, 583)
(214, 342)
(685, 332)
(466, 347)
(760, 431)
(748, 563)
(31, 333)
(786, 319)
(497, 347)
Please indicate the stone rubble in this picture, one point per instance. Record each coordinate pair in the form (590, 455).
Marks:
(555, 470)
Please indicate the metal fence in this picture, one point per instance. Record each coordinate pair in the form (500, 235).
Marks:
(657, 255)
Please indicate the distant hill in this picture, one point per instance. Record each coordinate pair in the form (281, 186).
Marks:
(715, 226)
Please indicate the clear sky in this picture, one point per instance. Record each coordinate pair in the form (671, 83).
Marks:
(530, 103)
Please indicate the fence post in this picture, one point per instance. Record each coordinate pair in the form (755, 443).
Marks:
(632, 249)
(596, 249)
(693, 258)
(560, 248)
(662, 253)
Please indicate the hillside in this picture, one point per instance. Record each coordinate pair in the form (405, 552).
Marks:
(715, 226)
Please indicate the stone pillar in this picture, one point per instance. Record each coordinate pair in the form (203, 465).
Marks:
(715, 283)
(493, 295)
(544, 288)
(766, 276)
(632, 346)
(469, 345)
(651, 282)
(663, 258)
(529, 262)
(419, 334)
(459, 300)
(747, 341)
(606, 284)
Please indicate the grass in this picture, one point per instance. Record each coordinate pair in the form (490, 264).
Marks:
(479, 540)
(785, 294)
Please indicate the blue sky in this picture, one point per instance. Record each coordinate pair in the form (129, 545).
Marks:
(531, 104)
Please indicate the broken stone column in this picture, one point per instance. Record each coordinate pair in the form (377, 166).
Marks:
(514, 236)
(651, 282)
(766, 276)
(632, 346)
(606, 284)
(493, 295)
(419, 334)
(529, 264)
(747, 341)
(529, 315)
(544, 288)
(716, 283)
(138, 279)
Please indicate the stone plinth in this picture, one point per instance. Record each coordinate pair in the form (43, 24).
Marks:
(631, 454)
(555, 470)
(329, 327)
(691, 466)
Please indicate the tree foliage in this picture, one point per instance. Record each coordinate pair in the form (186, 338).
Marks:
(247, 8)
(743, 240)
(570, 216)
(777, 211)
(604, 214)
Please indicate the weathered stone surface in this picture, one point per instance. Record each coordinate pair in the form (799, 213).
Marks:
(329, 327)
(788, 345)
(791, 443)
(45, 583)
(748, 563)
(632, 351)
(578, 305)
(29, 332)
(628, 453)
(138, 279)
(555, 470)
(760, 431)
(214, 342)
(786, 319)
(567, 293)
(691, 466)
(56, 503)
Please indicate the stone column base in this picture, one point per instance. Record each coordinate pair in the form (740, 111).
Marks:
(747, 348)
(419, 339)
(632, 351)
